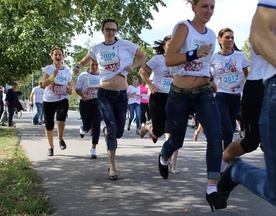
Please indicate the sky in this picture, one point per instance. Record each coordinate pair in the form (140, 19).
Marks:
(235, 14)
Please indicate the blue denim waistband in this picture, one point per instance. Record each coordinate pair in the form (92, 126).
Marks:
(194, 90)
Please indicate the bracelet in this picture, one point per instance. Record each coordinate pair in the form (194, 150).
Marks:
(51, 78)
(191, 55)
(78, 67)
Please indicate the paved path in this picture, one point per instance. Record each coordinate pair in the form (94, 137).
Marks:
(78, 185)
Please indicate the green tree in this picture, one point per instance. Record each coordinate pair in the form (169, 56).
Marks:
(30, 28)
(246, 48)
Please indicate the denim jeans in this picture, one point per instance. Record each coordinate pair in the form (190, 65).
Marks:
(91, 118)
(262, 182)
(38, 117)
(178, 108)
(113, 107)
(229, 107)
(137, 108)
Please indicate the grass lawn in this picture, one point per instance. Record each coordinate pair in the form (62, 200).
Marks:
(21, 190)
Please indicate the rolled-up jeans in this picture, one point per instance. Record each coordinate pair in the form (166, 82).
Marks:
(113, 107)
(203, 104)
(262, 182)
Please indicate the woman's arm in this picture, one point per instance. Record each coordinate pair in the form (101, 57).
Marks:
(47, 80)
(144, 75)
(141, 59)
(173, 57)
(85, 60)
(245, 72)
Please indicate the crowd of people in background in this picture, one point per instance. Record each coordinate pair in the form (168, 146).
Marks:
(185, 79)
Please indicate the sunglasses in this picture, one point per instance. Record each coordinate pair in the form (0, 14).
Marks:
(110, 30)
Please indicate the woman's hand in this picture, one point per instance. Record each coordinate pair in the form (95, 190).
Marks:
(196, 135)
(69, 90)
(204, 50)
(153, 89)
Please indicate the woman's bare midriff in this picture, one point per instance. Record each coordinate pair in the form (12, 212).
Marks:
(115, 83)
(188, 82)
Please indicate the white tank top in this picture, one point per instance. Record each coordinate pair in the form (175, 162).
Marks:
(199, 67)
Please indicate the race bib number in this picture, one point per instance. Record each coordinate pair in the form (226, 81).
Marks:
(144, 96)
(108, 57)
(230, 80)
(61, 80)
(166, 83)
(92, 82)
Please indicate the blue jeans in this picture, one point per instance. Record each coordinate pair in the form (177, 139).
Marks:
(137, 108)
(229, 107)
(38, 117)
(113, 107)
(178, 108)
(262, 182)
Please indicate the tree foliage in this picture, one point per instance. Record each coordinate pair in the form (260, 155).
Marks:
(30, 28)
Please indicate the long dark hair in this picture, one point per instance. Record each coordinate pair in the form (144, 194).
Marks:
(158, 48)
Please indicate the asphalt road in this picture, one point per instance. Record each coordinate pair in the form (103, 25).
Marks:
(78, 185)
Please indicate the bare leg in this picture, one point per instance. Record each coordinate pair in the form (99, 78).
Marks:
(233, 150)
(50, 136)
(173, 159)
(150, 129)
(60, 126)
(174, 169)
(111, 157)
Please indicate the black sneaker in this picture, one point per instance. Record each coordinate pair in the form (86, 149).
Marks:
(62, 145)
(50, 152)
(163, 170)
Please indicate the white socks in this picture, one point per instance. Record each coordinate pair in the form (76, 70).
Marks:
(93, 151)
(163, 162)
(211, 188)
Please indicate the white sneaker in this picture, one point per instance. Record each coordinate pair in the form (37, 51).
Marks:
(82, 132)
(93, 153)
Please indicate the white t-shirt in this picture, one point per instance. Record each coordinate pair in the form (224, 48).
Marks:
(257, 66)
(113, 58)
(7, 87)
(57, 90)
(228, 71)
(38, 94)
(88, 84)
(199, 67)
(160, 76)
(135, 94)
